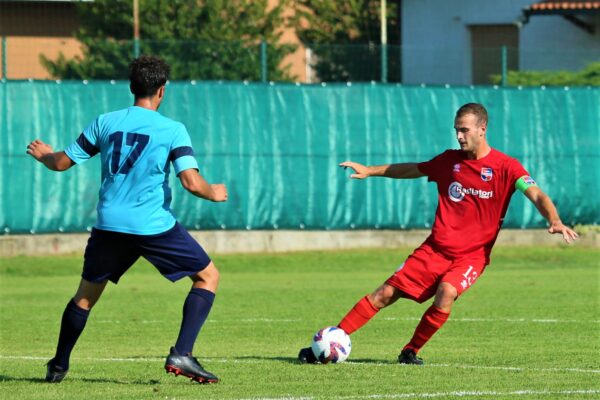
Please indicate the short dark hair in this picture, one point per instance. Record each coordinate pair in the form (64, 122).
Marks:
(476, 109)
(147, 74)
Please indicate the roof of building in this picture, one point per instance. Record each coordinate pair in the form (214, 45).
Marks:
(562, 6)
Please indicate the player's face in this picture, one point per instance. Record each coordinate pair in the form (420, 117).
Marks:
(469, 133)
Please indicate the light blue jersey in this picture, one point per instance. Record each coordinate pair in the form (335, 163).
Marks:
(137, 146)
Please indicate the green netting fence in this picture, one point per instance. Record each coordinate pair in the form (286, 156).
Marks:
(277, 147)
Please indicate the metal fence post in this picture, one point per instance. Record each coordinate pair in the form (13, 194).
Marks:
(504, 63)
(4, 57)
(263, 60)
(136, 28)
(384, 54)
(136, 48)
(384, 63)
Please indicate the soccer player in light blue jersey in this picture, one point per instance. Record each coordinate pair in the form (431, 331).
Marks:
(137, 146)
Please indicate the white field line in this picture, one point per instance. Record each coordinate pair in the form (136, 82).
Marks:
(541, 393)
(290, 320)
(370, 364)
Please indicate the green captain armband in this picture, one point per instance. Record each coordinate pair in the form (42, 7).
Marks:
(524, 183)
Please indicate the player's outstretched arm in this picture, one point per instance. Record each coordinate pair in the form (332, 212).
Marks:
(56, 161)
(548, 210)
(397, 171)
(194, 183)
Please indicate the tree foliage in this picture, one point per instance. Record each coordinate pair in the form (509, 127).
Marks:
(345, 38)
(201, 39)
(589, 76)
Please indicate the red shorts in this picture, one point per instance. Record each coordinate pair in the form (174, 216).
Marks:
(419, 276)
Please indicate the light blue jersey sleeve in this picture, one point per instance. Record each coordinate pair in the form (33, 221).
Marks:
(86, 146)
(181, 153)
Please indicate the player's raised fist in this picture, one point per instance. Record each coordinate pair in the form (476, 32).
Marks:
(361, 171)
(219, 192)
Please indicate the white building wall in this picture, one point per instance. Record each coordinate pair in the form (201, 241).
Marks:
(437, 44)
(551, 42)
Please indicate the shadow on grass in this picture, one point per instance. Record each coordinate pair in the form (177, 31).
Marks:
(294, 360)
(371, 361)
(4, 378)
(289, 360)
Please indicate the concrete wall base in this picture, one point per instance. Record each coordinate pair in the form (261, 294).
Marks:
(229, 242)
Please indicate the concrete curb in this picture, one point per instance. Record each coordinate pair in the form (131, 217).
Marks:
(229, 242)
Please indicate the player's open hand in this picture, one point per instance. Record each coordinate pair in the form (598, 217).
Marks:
(219, 192)
(568, 234)
(38, 149)
(361, 171)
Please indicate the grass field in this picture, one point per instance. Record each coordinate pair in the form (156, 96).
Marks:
(529, 329)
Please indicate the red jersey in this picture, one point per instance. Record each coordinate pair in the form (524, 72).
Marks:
(473, 197)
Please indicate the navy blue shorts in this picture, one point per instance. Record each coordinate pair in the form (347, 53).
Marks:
(174, 253)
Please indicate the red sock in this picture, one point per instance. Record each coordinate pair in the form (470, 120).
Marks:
(360, 314)
(432, 320)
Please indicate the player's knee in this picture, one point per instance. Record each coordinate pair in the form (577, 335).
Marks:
(383, 296)
(215, 276)
(450, 292)
(88, 294)
(445, 296)
(208, 277)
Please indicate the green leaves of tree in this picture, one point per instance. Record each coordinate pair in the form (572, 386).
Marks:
(589, 76)
(201, 39)
(345, 38)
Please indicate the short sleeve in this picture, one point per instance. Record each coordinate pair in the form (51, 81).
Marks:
(181, 153)
(516, 171)
(86, 145)
(433, 167)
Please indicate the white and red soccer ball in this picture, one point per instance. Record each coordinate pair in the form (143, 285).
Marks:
(331, 345)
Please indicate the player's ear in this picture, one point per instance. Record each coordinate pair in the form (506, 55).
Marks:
(161, 92)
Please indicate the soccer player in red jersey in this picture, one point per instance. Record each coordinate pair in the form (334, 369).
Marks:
(475, 185)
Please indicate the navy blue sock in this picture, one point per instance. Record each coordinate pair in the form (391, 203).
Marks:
(195, 310)
(72, 324)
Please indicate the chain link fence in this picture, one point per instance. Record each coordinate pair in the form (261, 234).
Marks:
(47, 58)
(29, 58)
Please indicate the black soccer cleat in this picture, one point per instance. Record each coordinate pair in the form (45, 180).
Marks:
(188, 366)
(408, 356)
(306, 356)
(55, 373)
